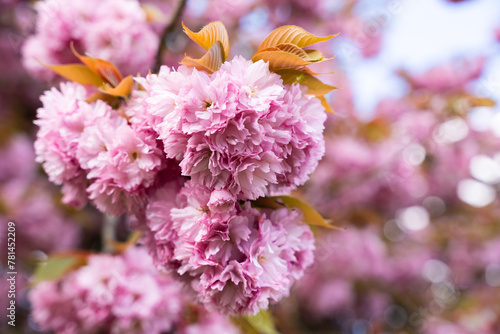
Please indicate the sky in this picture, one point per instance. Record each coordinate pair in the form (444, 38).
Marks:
(420, 34)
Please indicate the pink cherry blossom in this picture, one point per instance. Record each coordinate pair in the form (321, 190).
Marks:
(235, 261)
(112, 294)
(113, 30)
(239, 129)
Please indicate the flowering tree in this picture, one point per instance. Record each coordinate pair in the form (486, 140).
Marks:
(187, 194)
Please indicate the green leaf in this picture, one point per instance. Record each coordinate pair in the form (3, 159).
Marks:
(261, 323)
(58, 265)
(311, 216)
(314, 85)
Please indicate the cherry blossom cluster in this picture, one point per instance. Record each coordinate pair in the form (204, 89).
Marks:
(94, 152)
(186, 152)
(186, 155)
(238, 134)
(239, 129)
(108, 295)
(27, 200)
(236, 258)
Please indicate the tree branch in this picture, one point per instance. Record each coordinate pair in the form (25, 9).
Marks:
(108, 233)
(168, 29)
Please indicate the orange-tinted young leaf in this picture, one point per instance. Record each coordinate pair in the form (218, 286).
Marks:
(108, 71)
(209, 34)
(77, 73)
(98, 96)
(309, 55)
(153, 13)
(210, 62)
(87, 61)
(481, 102)
(314, 55)
(314, 85)
(325, 104)
(101, 67)
(113, 101)
(123, 89)
(120, 247)
(280, 59)
(290, 48)
(308, 71)
(376, 130)
(291, 35)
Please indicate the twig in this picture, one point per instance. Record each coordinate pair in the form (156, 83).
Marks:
(108, 233)
(168, 29)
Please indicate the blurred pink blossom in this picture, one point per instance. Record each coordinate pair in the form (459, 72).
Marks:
(116, 31)
(109, 294)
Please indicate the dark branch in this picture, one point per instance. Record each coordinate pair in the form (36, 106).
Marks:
(168, 29)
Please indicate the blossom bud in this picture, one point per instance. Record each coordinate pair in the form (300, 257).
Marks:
(221, 201)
